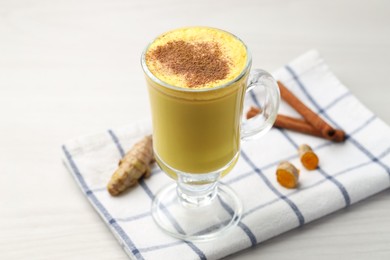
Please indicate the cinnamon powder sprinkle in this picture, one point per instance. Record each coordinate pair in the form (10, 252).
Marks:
(200, 63)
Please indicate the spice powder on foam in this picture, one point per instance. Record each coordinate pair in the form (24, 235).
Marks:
(200, 63)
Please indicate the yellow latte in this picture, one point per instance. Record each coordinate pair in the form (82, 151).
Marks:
(196, 57)
(196, 122)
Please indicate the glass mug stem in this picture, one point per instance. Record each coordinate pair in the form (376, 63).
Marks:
(197, 190)
(196, 195)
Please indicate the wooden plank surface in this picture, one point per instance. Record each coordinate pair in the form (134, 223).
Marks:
(69, 68)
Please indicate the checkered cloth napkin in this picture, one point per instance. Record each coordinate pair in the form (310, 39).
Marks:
(348, 173)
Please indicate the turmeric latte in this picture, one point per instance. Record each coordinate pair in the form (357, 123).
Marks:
(197, 81)
(196, 57)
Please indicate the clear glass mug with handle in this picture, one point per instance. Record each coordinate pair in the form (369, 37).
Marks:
(196, 140)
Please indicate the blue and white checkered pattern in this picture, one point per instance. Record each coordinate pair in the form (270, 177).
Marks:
(348, 173)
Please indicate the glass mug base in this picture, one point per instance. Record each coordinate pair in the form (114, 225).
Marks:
(202, 223)
(197, 207)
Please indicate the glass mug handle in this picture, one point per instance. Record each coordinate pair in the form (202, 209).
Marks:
(262, 92)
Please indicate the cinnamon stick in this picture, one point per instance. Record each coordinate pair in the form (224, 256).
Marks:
(297, 125)
(301, 126)
(312, 118)
(252, 112)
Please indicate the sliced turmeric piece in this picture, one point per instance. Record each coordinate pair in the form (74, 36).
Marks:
(308, 158)
(287, 175)
(133, 166)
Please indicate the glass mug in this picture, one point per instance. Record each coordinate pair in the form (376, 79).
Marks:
(196, 141)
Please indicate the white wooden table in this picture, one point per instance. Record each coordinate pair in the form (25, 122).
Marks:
(69, 68)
